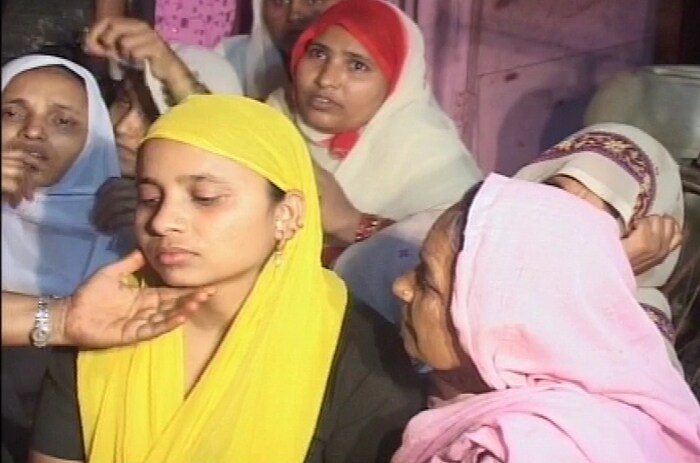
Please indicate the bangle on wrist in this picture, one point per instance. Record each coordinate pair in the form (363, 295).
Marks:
(369, 225)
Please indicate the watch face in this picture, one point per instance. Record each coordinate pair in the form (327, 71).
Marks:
(40, 337)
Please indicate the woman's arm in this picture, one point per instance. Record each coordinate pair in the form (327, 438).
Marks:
(103, 311)
(109, 8)
(342, 222)
(133, 42)
(18, 318)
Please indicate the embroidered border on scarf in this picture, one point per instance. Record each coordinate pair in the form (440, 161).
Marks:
(661, 321)
(621, 150)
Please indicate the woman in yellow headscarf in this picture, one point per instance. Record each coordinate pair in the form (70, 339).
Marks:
(279, 365)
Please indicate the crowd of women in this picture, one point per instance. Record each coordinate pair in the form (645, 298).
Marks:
(277, 249)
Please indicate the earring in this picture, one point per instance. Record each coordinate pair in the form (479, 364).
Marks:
(279, 228)
(278, 257)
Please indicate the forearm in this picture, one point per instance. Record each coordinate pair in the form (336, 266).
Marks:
(109, 8)
(181, 83)
(18, 312)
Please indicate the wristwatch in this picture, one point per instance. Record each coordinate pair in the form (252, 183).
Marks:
(42, 324)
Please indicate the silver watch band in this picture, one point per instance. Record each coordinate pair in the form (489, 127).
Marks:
(42, 324)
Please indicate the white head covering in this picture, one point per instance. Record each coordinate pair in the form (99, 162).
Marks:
(48, 244)
(635, 175)
(409, 157)
(209, 67)
(256, 58)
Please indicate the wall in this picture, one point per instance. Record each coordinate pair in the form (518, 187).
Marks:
(516, 75)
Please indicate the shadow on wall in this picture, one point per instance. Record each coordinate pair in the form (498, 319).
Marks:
(525, 119)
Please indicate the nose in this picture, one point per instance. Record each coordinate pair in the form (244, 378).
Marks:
(168, 219)
(33, 128)
(328, 75)
(298, 11)
(403, 286)
(130, 125)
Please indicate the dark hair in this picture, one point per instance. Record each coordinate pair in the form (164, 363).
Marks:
(276, 192)
(460, 221)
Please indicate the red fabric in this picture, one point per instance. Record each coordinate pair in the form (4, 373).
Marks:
(378, 28)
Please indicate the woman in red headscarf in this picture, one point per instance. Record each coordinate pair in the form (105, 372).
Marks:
(385, 149)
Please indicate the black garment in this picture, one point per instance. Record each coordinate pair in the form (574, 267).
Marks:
(371, 394)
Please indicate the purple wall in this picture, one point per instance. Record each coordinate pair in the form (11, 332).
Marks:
(516, 75)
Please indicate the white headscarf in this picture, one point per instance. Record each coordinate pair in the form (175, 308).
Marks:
(256, 58)
(409, 157)
(635, 175)
(48, 244)
(207, 66)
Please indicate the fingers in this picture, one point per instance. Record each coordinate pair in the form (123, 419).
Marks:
(107, 37)
(17, 180)
(184, 295)
(651, 240)
(170, 313)
(133, 262)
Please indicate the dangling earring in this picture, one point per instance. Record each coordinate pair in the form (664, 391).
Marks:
(278, 258)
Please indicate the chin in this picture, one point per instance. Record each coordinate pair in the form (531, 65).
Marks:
(323, 122)
(181, 277)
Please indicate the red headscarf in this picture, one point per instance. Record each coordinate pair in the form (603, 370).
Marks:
(378, 28)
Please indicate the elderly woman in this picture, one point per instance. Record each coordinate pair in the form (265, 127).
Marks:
(278, 364)
(625, 172)
(57, 134)
(385, 149)
(572, 371)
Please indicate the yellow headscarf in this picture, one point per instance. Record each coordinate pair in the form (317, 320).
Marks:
(260, 397)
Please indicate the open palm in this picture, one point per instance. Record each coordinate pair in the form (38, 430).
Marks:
(105, 311)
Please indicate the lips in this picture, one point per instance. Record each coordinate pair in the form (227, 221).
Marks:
(173, 256)
(34, 155)
(321, 102)
(35, 159)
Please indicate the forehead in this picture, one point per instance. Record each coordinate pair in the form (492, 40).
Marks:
(438, 245)
(53, 82)
(162, 159)
(338, 37)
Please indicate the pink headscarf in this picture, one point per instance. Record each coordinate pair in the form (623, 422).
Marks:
(544, 305)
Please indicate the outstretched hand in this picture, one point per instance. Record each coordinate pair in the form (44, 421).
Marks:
(106, 312)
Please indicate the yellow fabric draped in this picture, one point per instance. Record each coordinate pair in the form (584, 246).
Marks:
(260, 397)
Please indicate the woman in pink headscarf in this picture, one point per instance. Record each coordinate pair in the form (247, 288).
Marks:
(533, 303)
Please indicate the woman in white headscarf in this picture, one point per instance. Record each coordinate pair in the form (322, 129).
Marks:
(627, 172)
(361, 99)
(56, 123)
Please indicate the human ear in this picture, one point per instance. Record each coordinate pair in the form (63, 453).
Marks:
(289, 215)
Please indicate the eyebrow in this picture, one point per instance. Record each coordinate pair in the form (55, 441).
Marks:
(63, 107)
(188, 178)
(350, 54)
